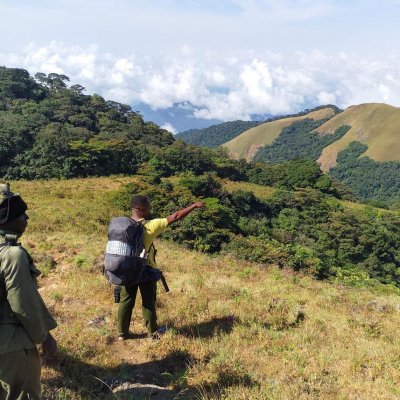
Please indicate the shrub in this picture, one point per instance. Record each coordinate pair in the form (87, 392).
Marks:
(206, 185)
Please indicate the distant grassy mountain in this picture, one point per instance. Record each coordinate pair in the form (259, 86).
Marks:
(216, 135)
(359, 146)
(247, 144)
(375, 125)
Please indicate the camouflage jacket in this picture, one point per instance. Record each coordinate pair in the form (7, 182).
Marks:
(24, 318)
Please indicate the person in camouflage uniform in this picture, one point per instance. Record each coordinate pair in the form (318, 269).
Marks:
(24, 318)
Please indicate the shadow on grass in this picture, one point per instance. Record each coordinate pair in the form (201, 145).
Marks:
(226, 379)
(79, 380)
(207, 329)
(74, 379)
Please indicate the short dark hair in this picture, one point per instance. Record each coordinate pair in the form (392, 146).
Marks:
(139, 201)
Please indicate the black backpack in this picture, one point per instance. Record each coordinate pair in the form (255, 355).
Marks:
(125, 262)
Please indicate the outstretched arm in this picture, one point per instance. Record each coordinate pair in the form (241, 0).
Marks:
(176, 216)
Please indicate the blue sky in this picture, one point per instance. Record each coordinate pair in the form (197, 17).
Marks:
(229, 58)
(364, 26)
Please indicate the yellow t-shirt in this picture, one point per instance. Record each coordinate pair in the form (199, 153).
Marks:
(153, 228)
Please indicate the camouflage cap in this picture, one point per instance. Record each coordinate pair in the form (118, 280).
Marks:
(5, 191)
(11, 204)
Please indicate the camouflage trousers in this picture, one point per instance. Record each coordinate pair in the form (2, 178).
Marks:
(20, 375)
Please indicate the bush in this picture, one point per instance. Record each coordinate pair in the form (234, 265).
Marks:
(246, 203)
(205, 185)
(207, 230)
(303, 258)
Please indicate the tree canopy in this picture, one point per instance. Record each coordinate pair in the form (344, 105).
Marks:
(50, 130)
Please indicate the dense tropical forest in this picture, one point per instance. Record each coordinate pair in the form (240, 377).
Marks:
(369, 179)
(50, 130)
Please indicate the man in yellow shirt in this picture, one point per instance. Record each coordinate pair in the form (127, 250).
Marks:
(141, 210)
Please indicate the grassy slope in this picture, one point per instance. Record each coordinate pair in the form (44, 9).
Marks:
(246, 144)
(253, 332)
(376, 125)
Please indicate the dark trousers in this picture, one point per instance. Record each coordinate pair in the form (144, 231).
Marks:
(148, 292)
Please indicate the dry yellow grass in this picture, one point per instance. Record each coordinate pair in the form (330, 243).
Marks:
(376, 125)
(236, 330)
(246, 144)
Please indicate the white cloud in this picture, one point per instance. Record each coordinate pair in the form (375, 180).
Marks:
(222, 87)
(169, 127)
(186, 50)
(325, 97)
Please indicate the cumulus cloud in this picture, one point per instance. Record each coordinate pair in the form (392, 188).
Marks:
(221, 87)
(169, 127)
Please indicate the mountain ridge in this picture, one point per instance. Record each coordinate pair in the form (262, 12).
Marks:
(366, 122)
(247, 144)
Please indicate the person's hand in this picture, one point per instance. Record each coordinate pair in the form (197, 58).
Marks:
(49, 347)
(199, 204)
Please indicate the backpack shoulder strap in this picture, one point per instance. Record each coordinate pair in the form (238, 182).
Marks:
(2, 245)
(3, 294)
(6, 244)
(10, 240)
(6, 314)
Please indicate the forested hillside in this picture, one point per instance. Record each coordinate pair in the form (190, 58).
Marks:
(369, 179)
(299, 140)
(216, 135)
(330, 136)
(48, 129)
(306, 229)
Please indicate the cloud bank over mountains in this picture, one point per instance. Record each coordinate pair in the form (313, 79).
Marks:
(224, 87)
